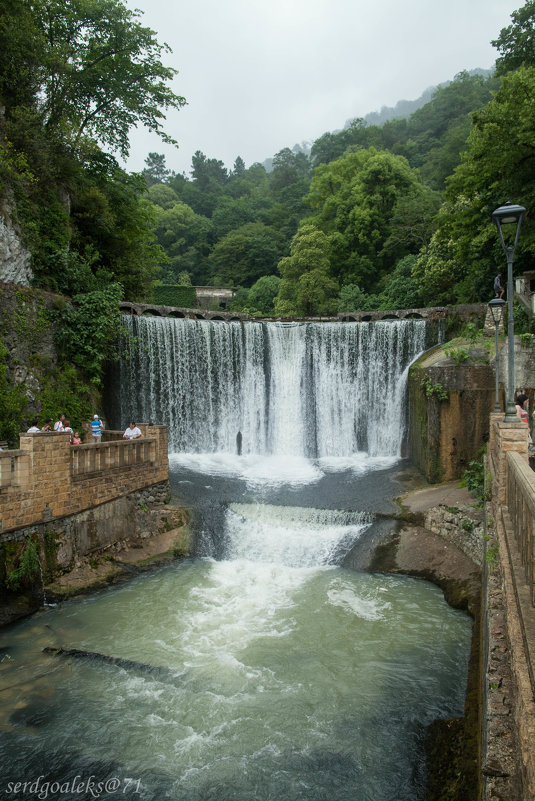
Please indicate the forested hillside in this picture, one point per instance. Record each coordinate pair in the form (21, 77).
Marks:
(376, 216)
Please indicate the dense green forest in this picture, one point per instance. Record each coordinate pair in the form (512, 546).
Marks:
(377, 216)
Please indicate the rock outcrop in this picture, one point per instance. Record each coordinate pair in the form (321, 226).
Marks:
(15, 259)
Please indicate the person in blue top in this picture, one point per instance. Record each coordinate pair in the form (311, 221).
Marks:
(96, 428)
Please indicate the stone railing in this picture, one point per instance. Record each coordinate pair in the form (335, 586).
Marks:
(93, 458)
(13, 468)
(513, 516)
(521, 508)
(48, 478)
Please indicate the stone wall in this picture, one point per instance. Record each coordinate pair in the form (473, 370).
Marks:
(80, 534)
(42, 480)
(446, 435)
(460, 526)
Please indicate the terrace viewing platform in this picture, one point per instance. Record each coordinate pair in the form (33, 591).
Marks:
(47, 478)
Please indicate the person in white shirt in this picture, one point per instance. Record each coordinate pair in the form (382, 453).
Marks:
(58, 425)
(34, 428)
(132, 432)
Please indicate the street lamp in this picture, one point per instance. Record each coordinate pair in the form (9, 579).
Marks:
(510, 214)
(496, 309)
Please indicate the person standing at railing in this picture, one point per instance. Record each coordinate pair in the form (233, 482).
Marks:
(132, 432)
(34, 428)
(522, 413)
(96, 428)
(59, 424)
(67, 428)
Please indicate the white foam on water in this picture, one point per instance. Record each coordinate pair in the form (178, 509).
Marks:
(288, 535)
(343, 595)
(359, 463)
(238, 603)
(271, 471)
(256, 470)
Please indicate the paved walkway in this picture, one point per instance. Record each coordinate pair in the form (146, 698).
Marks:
(448, 494)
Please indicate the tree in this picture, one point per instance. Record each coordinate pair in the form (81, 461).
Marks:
(109, 217)
(184, 236)
(183, 278)
(89, 328)
(156, 172)
(246, 253)
(355, 197)
(516, 43)
(402, 290)
(263, 293)
(230, 213)
(100, 72)
(499, 165)
(330, 147)
(316, 294)
(162, 195)
(307, 287)
(238, 168)
(353, 299)
(413, 220)
(21, 45)
(289, 168)
(206, 172)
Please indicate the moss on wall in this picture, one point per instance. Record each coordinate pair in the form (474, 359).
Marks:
(35, 381)
(448, 426)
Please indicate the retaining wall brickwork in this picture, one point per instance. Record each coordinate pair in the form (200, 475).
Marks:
(38, 482)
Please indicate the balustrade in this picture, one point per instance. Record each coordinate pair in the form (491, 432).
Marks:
(111, 455)
(11, 468)
(521, 506)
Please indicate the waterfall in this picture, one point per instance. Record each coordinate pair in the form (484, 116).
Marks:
(303, 389)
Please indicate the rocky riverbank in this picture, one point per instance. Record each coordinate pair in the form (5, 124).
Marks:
(119, 563)
(163, 536)
(438, 536)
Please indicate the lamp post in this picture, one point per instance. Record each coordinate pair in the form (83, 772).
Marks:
(510, 214)
(496, 309)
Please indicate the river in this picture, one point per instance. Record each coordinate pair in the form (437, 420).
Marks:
(261, 669)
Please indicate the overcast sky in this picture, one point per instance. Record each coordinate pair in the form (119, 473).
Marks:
(260, 75)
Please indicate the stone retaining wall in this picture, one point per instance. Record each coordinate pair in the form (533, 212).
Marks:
(461, 525)
(445, 435)
(39, 482)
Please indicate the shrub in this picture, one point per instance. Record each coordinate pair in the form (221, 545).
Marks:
(175, 295)
(430, 389)
(457, 355)
(27, 569)
(474, 478)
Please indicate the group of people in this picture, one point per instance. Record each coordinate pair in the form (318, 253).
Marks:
(62, 424)
(132, 431)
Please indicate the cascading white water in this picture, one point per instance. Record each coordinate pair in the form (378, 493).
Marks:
(291, 535)
(311, 389)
